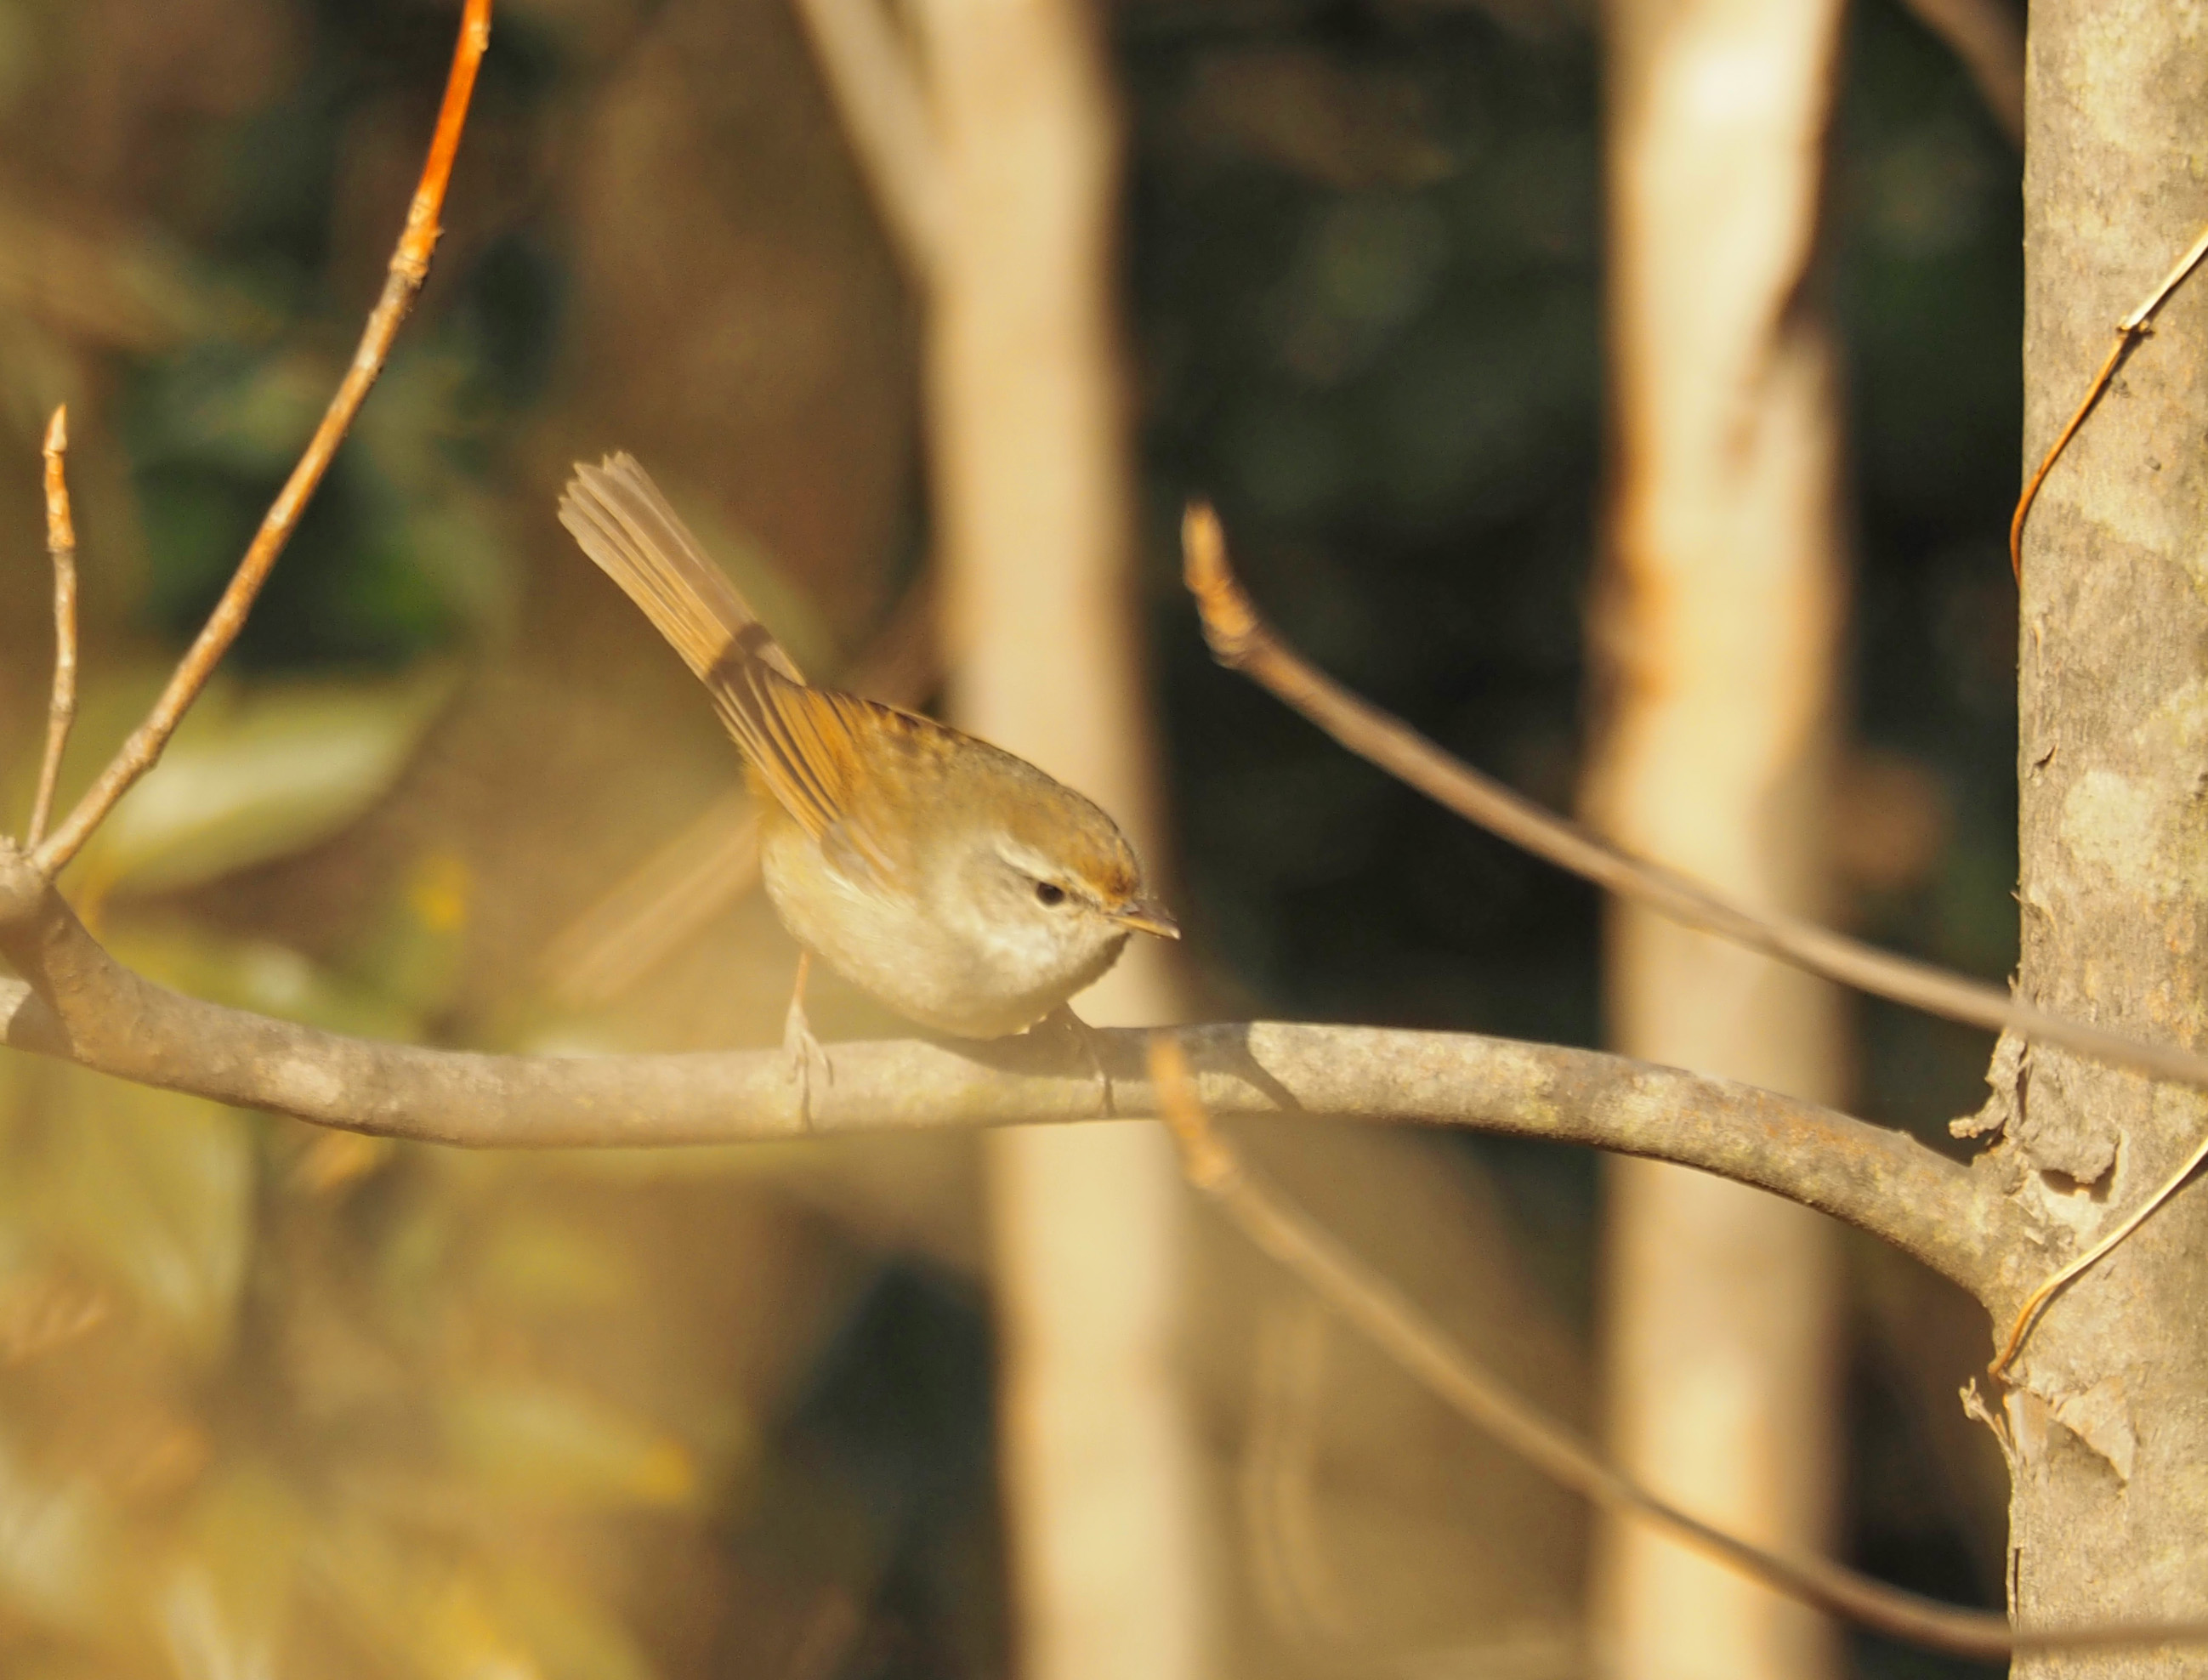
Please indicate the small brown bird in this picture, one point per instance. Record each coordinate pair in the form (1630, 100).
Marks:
(959, 885)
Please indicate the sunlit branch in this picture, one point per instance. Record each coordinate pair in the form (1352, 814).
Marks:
(80, 1004)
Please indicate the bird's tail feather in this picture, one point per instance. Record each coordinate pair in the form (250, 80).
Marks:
(625, 526)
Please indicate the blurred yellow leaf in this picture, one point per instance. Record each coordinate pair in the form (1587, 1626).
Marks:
(255, 973)
(155, 1190)
(533, 1262)
(558, 1446)
(332, 1159)
(413, 945)
(574, 1637)
(59, 1553)
(424, 1612)
(465, 1638)
(224, 1607)
(281, 768)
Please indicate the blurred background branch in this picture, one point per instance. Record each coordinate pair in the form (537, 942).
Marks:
(872, 71)
(1715, 632)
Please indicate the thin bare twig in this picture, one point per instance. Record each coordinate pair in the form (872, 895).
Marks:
(1374, 1307)
(2129, 331)
(409, 266)
(874, 78)
(2036, 1302)
(61, 545)
(1244, 641)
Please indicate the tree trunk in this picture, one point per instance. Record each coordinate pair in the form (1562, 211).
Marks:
(1717, 636)
(2107, 1421)
(1036, 488)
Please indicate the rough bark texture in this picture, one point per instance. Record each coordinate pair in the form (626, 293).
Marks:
(1717, 633)
(2108, 1423)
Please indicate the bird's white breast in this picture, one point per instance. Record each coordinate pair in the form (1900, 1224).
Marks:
(923, 948)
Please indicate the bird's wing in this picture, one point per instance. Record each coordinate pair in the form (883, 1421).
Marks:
(808, 747)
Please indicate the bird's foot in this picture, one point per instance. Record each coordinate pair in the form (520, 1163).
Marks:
(1092, 1050)
(809, 1067)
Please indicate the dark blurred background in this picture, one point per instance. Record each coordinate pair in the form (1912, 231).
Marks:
(265, 1393)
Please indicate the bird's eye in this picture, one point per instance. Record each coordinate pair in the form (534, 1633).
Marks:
(1049, 892)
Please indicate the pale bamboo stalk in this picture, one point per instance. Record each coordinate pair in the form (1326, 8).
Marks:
(1717, 643)
(1034, 483)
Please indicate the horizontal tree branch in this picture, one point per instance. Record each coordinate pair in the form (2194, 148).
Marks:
(82, 1005)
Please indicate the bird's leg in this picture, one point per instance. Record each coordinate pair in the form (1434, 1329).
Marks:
(801, 1049)
(1084, 1035)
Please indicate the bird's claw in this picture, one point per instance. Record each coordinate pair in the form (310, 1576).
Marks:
(807, 1059)
(1085, 1036)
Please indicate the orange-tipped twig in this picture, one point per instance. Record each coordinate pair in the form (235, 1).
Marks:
(2129, 331)
(61, 545)
(1376, 1309)
(410, 266)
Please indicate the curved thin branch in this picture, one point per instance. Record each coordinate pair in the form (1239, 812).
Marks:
(83, 1006)
(1387, 1317)
(2129, 331)
(1243, 641)
(409, 266)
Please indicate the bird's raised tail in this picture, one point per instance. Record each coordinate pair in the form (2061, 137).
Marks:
(624, 524)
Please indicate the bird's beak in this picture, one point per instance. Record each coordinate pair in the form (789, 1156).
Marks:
(1147, 915)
